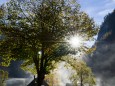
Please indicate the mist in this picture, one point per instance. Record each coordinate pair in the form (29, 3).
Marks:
(102, 60)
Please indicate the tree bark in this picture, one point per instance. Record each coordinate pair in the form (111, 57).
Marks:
(41, 72)
(81, 82)
(40, 78)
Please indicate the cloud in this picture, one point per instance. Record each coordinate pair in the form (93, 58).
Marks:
(105, 12)
(97, 9)
(113, 0)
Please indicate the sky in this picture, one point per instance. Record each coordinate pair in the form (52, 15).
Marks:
(3, 1)
(97, 9)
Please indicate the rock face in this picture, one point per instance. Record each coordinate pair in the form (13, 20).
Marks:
(102, 61)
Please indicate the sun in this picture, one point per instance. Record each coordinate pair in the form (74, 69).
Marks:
(75, 41)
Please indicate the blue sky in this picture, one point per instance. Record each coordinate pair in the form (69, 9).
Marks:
(2, 1)
(96, 9)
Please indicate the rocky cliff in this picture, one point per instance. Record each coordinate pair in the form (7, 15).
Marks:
(102, 61)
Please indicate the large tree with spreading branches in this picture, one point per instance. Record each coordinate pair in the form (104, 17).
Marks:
(35, 30)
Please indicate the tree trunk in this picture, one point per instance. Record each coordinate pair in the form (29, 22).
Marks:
(81, 82)
(41, 73)
(40, 79)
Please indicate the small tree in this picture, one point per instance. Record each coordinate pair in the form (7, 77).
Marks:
(3, 77)
(81, 74)
(53, 79)
(34, 29)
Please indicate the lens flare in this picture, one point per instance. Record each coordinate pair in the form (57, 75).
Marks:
(75, 41)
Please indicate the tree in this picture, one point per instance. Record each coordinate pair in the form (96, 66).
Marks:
(3, 77)
(34, 30)
(53, 79)
(82, 74)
